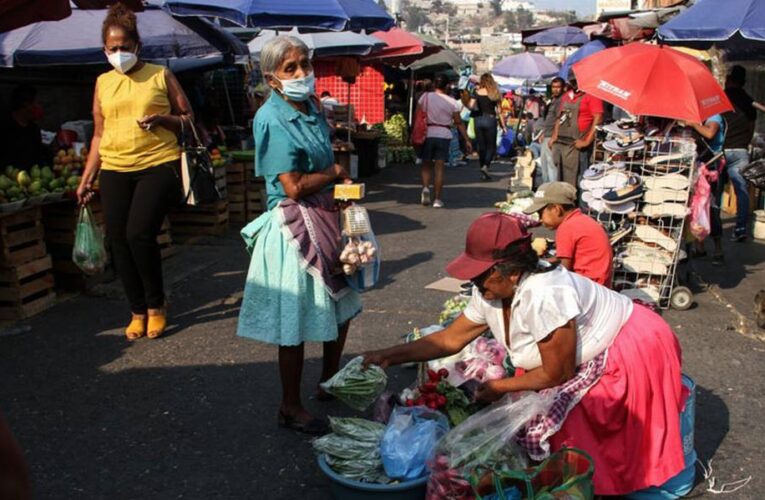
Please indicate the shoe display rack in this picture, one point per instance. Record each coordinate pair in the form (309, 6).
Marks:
(640, 192)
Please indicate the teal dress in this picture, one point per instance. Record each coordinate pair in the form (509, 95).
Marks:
(283, 304)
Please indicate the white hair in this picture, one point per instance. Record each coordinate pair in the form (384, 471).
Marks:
(275, 50)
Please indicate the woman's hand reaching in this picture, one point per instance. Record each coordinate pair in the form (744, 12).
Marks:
(378, 358)
(490, 391)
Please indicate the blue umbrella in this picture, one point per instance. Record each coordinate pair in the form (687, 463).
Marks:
(77, 40)
(324, 44)
(561, 36)
(711, 21)
(335, 15)
(583, 52)
(527, 66)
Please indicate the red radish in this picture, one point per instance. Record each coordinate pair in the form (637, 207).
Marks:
(410, 402)
(432, 375)
(443, 373)
(432, 405)
(441, 399)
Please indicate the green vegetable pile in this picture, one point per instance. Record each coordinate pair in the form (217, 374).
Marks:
(355, 386)
(396, 129)
(453, 308)
(353, 449)
(400, 154)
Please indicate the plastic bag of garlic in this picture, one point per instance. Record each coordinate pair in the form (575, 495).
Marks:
(360, 256)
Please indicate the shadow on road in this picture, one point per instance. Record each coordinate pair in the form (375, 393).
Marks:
(712, 423)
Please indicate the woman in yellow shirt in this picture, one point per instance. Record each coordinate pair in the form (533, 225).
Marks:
(138, 110)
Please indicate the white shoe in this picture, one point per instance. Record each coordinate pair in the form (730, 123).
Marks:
(438, 204)
(643, 264)
(425, 196)
(650, 234)
(643, 251)
(658, 196)
(677, 182)
(676, 210)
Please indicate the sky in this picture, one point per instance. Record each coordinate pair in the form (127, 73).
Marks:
(582, 7)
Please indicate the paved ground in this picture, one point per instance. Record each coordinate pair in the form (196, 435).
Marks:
(192, 415)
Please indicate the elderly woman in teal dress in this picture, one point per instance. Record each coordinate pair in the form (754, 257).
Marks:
(294, 292)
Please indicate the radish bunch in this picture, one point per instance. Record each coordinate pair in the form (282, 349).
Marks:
(355, 254)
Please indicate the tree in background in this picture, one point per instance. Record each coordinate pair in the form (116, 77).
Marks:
(414, 16)
(496, 7)
(518, 19)
(563, 16)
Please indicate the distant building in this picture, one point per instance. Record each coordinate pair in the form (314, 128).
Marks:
(473, 7)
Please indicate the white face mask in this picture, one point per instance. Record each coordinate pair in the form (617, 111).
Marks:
(122, 61)
(298, 89)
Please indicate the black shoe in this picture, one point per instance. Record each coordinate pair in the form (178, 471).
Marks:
(485, 174)
(739, 234)
(718, 259)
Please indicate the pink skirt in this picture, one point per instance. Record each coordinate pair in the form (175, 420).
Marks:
(628, 422)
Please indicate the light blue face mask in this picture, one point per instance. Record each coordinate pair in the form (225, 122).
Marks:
(298, 89)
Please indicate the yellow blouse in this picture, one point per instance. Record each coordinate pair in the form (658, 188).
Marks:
(124, 99)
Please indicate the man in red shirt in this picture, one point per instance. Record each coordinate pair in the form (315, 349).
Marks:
(581, 244)
(574, 131)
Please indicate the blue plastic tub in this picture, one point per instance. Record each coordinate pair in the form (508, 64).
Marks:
(681, 484)
(346, 489)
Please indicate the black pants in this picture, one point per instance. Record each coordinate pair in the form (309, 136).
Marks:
(135, 205)
(486, 136)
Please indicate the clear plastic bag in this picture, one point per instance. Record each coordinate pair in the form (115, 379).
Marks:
(89, 253)
(486, 439)
(410, 440)
(355, 386)
(360, 256)
(353, 449)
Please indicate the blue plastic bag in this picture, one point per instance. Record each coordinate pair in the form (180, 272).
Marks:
(505, 147)
(410, 439)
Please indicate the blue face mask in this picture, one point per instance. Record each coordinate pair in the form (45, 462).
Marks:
(298, 89)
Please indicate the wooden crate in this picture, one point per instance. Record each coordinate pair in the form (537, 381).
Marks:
(26, 289)
(256, 201)
(236, 183)
(201, 220)
(220, 181)
(22, 237)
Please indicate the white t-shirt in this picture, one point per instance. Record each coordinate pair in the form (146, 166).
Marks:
(440, 109)
(547, 301)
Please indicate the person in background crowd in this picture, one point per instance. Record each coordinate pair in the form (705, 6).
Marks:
(138, 110)
(20, 141)
(740, 131)
(581, 243)
(285, 302)
(465, 114)
(532, 105)
(488, 114)
(712, 134)
(549, 170)
(443, 112)
(210, 132)
(328, 102)
(574, 131)
(506, 108)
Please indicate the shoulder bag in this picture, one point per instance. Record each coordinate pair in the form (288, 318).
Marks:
(197, 174)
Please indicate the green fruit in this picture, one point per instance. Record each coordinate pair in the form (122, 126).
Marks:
(9, 171)
(46, 173)
(73, 181)
(35, 187)
(5, 182)
(13, 191)
(35, 172)
(66, 173)
(23, 179)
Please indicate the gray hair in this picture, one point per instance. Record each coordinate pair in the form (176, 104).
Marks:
(275, 50)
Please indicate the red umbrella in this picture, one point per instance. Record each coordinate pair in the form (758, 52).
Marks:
(652, 80)
(17, 13)
(402, 45)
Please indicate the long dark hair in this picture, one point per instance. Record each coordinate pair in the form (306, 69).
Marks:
(519, 257)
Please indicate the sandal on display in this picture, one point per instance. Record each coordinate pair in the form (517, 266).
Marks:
(650, 234)
(668, 209)
(670, 181)
(632, 191)
(661, 195)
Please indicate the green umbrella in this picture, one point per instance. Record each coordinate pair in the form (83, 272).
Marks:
(441, 61)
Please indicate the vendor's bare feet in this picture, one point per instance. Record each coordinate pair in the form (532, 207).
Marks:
(298, 419)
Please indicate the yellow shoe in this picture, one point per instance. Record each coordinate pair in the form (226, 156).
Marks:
(137, 327)
(157, 323)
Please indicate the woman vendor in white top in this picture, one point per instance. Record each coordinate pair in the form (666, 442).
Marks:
(613, 365)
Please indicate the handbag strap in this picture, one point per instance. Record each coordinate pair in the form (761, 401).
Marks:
(184, 142)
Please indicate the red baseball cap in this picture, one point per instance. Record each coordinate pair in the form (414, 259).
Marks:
(489, 233)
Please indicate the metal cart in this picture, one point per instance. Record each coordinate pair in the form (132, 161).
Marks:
(646, 232)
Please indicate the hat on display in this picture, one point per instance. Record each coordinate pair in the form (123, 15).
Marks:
(561, 193)
(489, 235)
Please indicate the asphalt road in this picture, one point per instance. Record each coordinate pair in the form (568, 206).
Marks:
(193, 414)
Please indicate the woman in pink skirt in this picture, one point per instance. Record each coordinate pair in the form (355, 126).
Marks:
(613, 365)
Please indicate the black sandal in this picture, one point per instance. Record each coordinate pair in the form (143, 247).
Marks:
(314, 427)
